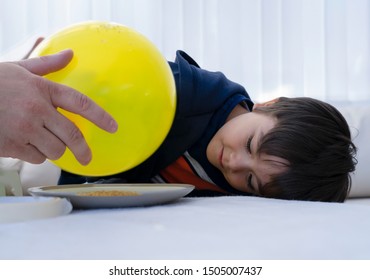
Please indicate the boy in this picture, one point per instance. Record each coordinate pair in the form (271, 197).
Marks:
(289, 148)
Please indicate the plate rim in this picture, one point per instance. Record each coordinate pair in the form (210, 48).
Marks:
(165, 186)
(167, 193)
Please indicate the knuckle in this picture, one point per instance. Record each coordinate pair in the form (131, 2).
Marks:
(83, 102)
(45, 87)
(37, 159)
(25, 152)
(57, 152)
(25, 126)
(44, 59)
(75, 135)
(34, 107)
(40, 83)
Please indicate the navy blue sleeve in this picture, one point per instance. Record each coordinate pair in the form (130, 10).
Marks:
(200, 91)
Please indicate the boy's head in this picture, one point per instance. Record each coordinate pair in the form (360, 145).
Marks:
(294, 148)
(315, 139)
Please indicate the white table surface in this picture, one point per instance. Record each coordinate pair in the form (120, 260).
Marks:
(197, 228)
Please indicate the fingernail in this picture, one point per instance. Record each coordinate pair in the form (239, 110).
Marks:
(113, 125)
(64, 51)
(86, 160)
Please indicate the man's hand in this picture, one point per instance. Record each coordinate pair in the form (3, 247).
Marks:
(31, 127)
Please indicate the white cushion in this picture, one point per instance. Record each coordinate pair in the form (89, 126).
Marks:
(358, 118)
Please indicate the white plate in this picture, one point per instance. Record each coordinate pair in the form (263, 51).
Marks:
(146, 194)
(24, 208)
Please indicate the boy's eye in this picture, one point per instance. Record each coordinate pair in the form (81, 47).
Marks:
(250, 177)
(248, 146)
(250, 182)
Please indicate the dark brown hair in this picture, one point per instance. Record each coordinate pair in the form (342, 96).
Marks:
(316, 140)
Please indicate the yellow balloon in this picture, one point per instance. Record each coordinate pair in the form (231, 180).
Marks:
(124, 73)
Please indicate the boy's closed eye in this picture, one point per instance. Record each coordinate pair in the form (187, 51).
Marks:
(250, 176)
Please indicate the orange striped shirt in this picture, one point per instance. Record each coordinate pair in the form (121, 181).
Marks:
(186, 171)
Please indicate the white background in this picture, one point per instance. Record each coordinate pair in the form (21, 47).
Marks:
(316, 48)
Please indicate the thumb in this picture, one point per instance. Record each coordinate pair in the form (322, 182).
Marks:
(47, 64)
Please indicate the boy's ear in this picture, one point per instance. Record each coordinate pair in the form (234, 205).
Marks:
(267, 103)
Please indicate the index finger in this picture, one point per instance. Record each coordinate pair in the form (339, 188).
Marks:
(78, 103)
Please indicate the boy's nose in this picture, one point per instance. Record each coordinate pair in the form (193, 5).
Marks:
(239, 163)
